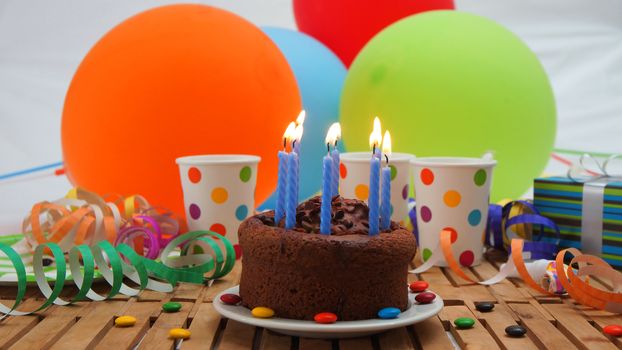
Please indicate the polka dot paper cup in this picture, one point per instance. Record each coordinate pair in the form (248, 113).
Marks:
(453, 194)
(219, 192)
(354, 179)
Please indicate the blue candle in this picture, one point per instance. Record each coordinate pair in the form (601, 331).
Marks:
(385, 204)
(374, 178)
(293, 170)
(332, 137)
(292, 190)
(281, 189)
(325, 209)
(334, 188)
(374, 196)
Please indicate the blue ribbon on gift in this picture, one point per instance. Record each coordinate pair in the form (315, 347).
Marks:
(499, 221)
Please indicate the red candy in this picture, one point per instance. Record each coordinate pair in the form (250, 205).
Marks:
(419, 286)
(613, 329)
(230, 299)
(425, 297)
(325, 317)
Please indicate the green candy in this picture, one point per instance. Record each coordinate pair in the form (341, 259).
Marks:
(171, 307)
(464, 322)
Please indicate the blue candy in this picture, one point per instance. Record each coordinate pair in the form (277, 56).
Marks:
(389, 312)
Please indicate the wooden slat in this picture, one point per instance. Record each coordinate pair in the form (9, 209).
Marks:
(97, 321)
(314, 344)
(397, 338)
(57, 320)
(544, 333)
(496, 321)
(152, 295)
(187, 292)
(14, 327)
(157, 336)
(203, 328)
(476, 337)
(237, 336)
(577, 328)
(431, 334)
(230, 280)
(504, 290)
(363, 343)
(128, 337)
(468, 290)
(275, 341)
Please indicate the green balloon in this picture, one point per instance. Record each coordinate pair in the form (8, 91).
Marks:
(448, 83)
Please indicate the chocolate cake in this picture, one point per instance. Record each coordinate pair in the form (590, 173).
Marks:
(299, 273)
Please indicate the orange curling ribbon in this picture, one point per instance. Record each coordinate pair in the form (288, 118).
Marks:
(575, 282)
(83, 217)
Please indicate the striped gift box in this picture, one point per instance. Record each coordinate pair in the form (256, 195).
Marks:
(561, 199)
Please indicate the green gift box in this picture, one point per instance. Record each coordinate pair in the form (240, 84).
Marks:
(588, 212)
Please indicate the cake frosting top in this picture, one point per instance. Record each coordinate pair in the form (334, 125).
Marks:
(349, 216)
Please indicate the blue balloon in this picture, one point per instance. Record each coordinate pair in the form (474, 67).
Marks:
(320, 76)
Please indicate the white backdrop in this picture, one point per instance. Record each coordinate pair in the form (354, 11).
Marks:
(42, 42)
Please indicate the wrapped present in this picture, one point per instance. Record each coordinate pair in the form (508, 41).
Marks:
(587, 210)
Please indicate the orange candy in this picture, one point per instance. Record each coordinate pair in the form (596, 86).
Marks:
(613, 329)
(325, 317)
(419, 286)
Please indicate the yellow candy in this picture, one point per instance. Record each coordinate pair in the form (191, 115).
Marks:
(262, 312)
(179, 333)
(125, 321)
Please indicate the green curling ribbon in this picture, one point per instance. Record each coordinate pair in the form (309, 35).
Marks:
(205, 255)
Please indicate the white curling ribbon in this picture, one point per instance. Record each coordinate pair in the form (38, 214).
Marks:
(437, 255)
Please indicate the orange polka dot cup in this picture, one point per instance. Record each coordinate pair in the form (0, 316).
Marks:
(453, 194)
(354, 179)
(218, 192)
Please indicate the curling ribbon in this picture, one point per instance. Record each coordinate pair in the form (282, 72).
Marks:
(511, 220)
(83, 217)
(575, 284)
(202, 252)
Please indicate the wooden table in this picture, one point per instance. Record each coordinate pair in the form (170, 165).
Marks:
(552, 323)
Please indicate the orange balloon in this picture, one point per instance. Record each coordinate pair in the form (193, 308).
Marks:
(174, 81)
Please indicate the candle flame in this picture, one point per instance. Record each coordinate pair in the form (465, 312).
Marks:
(386, 143)
(375, 138)
(301, 117)
(298, 133)
(289, 132)
(333, 134)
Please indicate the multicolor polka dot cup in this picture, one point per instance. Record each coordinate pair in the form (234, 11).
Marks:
(453, 194)
(219, 192)
(354, 179)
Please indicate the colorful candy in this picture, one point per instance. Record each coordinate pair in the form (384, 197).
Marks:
(262, 312)
(613, 329)
(230, 299)
(515, 331)
(464, 322)
(425, 297)
(171, 307)
(179, 333)
(484, 306)
(389, 313)
(125, 321)
(419, 286)
(325, 317)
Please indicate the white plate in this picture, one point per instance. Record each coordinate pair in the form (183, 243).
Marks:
(340, 329)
